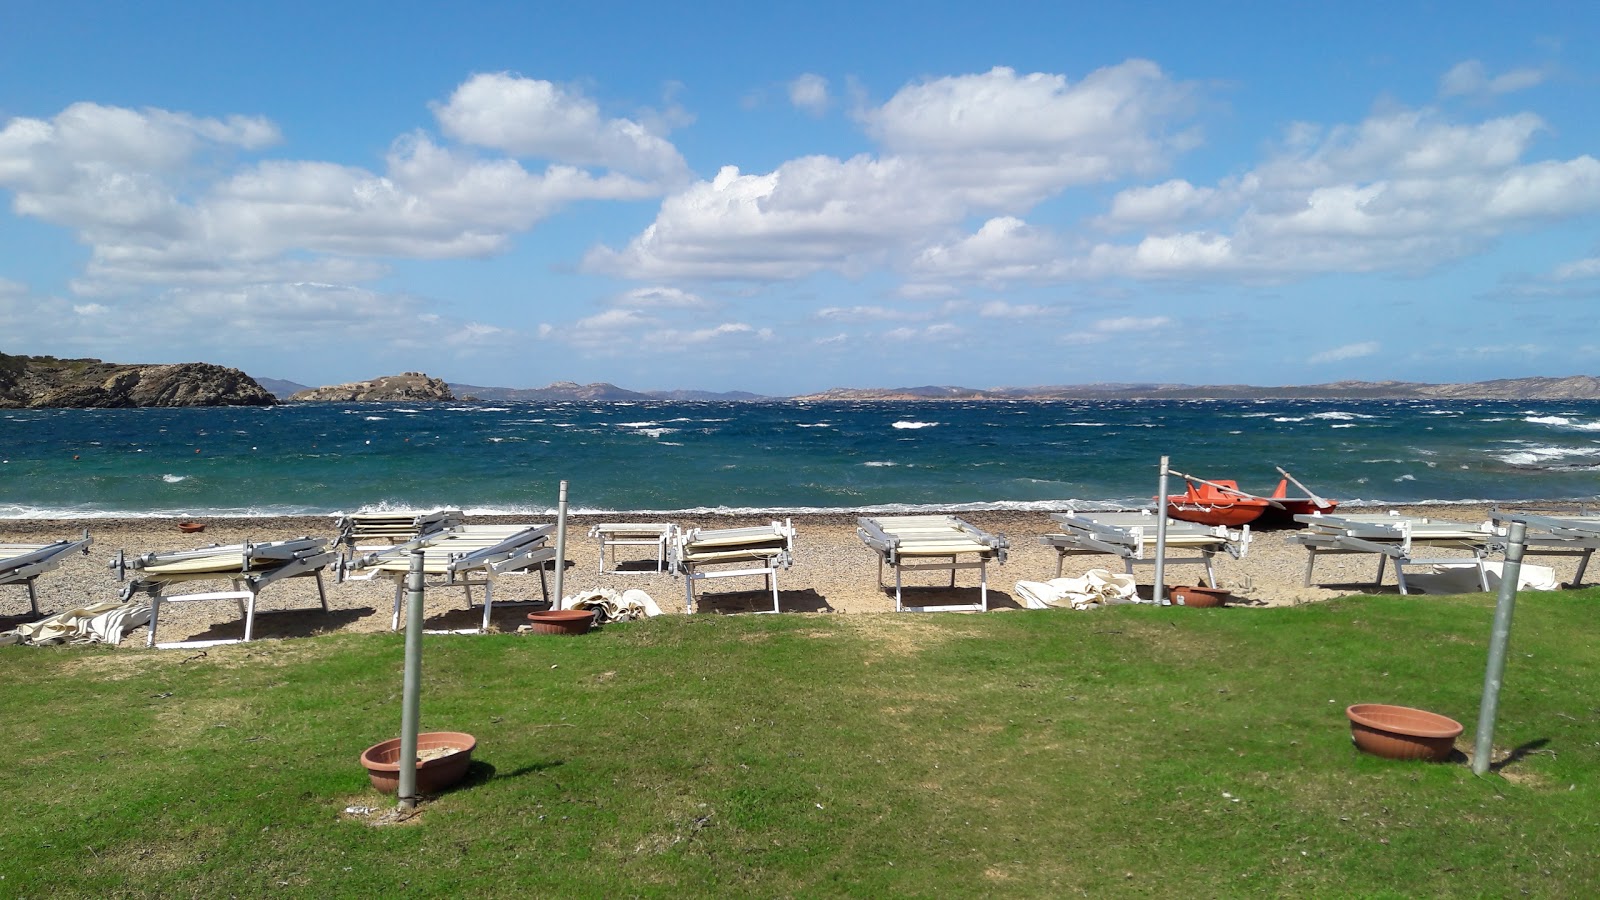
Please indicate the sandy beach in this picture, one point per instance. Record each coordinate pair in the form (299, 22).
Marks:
(833, 572)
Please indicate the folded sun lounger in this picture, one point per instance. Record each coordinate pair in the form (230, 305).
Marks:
(249, 567)
(1398, 538)
(464, 555)
(360, 532)
(932, 543)
(24, 563)
(1558, 536)
(699, 553)
(1131, 535)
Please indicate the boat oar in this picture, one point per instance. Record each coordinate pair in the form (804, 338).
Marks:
(1232, 490)
(1321, 503)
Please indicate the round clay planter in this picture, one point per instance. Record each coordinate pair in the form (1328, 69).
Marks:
(562, 621)
(1199, 596)
(1400, 732)
(433, 775)
(191, 527)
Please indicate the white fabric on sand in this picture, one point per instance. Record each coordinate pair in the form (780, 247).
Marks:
(1093, 588)
(104, 622)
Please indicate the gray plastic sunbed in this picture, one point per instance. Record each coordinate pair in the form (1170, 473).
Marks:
(1131, 535)
(24, 563)
(932, 543)
(464, 555)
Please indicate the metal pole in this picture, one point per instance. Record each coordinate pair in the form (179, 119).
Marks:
(1158, 591)
(561, 541)
(1510, 577)
(411, 693)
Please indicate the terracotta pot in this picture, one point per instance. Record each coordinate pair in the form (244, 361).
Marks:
(383, 761)
(1185, 595)
(191, 527)
(562, 621)
(1400, 732)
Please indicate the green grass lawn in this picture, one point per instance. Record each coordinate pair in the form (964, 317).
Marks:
(1168, 752)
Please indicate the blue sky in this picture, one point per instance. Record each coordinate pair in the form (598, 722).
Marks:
(787, 198)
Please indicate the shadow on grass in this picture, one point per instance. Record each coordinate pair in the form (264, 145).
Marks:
(285, 623)
(1520, 753)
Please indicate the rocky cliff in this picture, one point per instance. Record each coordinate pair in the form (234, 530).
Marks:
(406, 386)
(44, 381)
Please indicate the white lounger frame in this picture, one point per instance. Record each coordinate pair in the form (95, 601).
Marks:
(932, 543)
(1558, 536)
(458, 553)
(24, 563)
(1396, 537)
(614, 535)
(1131, 535)
(693, 552)
(249, 567)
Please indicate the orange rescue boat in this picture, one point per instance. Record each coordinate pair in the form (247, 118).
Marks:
(1216, 503)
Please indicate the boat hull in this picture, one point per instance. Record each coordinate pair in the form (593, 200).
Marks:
(1232, 513)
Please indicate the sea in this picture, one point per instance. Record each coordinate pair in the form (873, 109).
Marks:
(779, 457)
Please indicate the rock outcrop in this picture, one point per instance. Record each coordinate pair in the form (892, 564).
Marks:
(46, 382)
(410, 386)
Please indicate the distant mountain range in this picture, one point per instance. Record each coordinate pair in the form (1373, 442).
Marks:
(1577, 387)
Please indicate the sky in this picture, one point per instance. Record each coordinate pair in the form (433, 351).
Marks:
(785, 198)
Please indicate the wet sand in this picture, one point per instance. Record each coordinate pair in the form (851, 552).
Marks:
(833, 572)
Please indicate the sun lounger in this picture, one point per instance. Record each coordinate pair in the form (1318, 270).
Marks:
(464, 555)
(249, 567)
(1398, 538)
(1131, 535)
(699, 553)
(1558, 536)
(614, 535)
(24, 563)
(932, 543)
(360, 532)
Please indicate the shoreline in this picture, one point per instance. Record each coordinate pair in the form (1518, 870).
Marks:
(833, 572)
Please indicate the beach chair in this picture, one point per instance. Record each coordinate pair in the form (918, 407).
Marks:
(1396, 537)
(466, 556)
(1551, 535)
(1131, 536)
(362, 533)
(932, 543)
(24, 563)
(250, 568)
(700, 553)
(615, 534)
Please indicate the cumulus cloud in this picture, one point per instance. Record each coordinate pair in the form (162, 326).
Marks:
(1577, 270)
(809, 92)
(997, 142)
(1470, 78)
(526, 117)
(1348, 351)
(1400, 191)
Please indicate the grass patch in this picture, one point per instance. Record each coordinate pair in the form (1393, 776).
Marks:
(1133, 750)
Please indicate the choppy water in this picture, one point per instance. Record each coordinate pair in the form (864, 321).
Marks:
(628, 457)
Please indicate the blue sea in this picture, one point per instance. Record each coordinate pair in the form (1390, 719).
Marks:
(777, 457)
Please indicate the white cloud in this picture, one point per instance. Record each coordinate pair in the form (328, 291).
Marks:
(1470, 78)
(1004, 248)
(996, 142)
(1348, 351)
(1000, 309)
(866, 314)
(661, 298)
(1577, 270)
(1117, 328)
(809, 92)
(526, 117)
(939, 331)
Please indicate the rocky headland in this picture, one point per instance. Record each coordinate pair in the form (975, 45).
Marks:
(37, 382)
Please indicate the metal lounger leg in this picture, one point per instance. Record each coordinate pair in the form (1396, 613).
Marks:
(1400, 575)
(33, 598)
(1583, 564)
(1311, 560)
(898, 606)
(1061, 559)
(983, 581)
(250, 617)
(688, 591)
(772, 579)
(1483, 575)
(488, 601)
(322, 594)
(1211, 569)
(399, 588)
(155, 616)
(952, 570)
(1383, 559)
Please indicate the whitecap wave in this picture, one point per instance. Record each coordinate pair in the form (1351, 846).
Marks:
(879, 463)
(174, 479)
(906, 424)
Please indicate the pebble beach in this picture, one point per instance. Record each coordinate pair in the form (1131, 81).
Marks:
(833, 573)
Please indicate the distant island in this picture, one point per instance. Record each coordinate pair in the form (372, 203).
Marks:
(407, 387)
